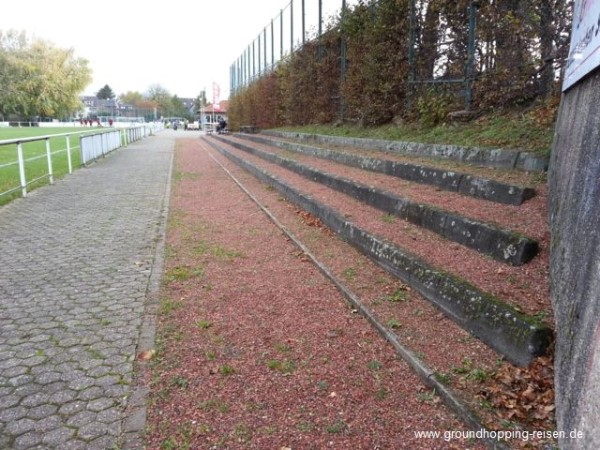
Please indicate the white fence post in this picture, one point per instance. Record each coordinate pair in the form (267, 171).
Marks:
(49, 157)
(91, 147)
(22, 169)
(69, 161)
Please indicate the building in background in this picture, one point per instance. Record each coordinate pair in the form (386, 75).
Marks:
(211, 114)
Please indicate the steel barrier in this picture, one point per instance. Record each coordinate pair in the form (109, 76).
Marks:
(91, 148)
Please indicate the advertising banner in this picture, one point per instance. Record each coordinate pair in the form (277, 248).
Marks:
(584, 53)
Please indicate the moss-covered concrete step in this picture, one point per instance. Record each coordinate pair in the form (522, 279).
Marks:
(449, 180)
(517, 336)
(498, 157)
(503, 245)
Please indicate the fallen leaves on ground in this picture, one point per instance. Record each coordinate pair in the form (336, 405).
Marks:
(525, 395)
(313, 221)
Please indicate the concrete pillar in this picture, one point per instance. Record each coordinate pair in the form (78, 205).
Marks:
(574, 215)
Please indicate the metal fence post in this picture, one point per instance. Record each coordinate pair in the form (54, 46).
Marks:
(81, 151)
(22, 169)
(342, 61)
(248, 62)
(49, 158)
(272, 45)
(259, 59)
(69, 161)
(291, 26)
(470, 55)
(246, 66)
(265, 46)
(303, 24)
(411, 42)
(411, 55)
(320, 49)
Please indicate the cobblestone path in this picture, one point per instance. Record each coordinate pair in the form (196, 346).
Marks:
(76, 263)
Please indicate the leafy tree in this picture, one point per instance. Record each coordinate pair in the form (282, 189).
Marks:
(39, 79)
(106, 93)
(132, 98)
(200, 101)
(168, 105)
(517, 57)
(161, 96)
(178, 109)
(158, 93)
(11, 44)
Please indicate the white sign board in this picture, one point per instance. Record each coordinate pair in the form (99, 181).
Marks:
(584, 53)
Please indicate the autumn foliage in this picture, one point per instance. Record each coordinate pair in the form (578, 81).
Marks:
(523, 395)
(376, 65)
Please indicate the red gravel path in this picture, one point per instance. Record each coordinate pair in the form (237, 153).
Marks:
(525, 287)
(256, 349)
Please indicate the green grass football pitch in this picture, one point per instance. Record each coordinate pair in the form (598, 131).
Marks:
(34, 155)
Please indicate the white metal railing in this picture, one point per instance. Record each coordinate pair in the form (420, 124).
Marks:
(20, 161)
(91, 146)
(96, 145)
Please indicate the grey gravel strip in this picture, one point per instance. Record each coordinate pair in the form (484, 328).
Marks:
(76, 261)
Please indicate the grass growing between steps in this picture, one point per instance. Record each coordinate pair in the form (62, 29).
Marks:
(529, 129)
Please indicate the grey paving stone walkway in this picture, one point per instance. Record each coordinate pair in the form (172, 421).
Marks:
(76, 261)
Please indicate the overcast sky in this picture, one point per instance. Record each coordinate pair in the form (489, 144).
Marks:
(183, 45)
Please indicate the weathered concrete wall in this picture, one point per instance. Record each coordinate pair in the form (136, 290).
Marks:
(574, 214)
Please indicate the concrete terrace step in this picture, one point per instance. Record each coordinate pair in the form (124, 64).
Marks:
(519, 337)
(499, 158)
(449, 180)
(502, 245)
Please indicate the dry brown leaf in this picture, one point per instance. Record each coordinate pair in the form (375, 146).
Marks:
(146, 355)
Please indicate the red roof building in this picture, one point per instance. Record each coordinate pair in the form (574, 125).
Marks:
(211, 114)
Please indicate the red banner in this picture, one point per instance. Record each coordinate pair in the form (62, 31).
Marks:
(216, 97)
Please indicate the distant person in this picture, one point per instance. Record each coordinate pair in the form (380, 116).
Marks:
(222, 125)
